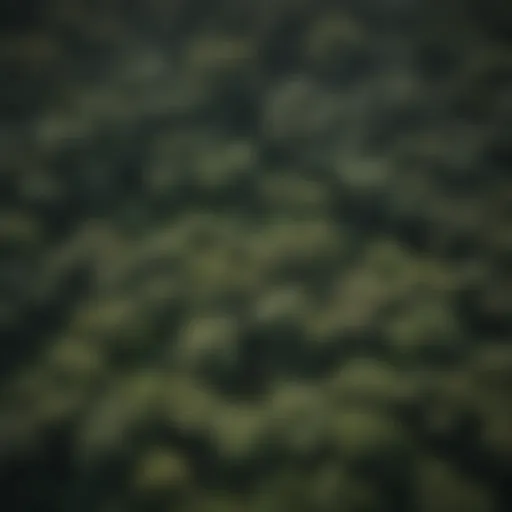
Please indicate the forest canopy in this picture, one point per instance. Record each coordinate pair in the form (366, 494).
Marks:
(255, 256)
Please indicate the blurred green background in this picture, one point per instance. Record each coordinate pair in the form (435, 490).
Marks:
(255, 256)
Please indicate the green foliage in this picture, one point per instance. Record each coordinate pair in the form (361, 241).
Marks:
(299, 111)
(330, 38)
(425, 332)
(207, 346)
(254, 256)
(371, 442)
(160, 473)
(300, 420)
(217, 60)
(116, 420)
(188, 406)
(442, 488)
(371, 383)
(241, 435)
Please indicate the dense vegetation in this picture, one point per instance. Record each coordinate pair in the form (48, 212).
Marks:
(255, 256)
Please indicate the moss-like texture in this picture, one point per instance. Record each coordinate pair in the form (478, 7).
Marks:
(255, 256)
